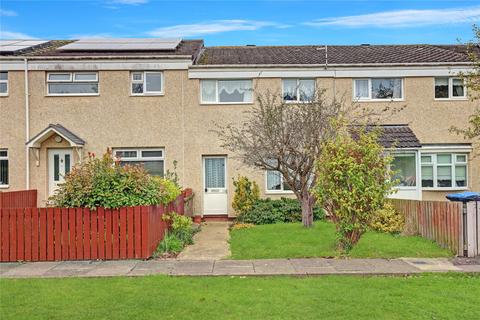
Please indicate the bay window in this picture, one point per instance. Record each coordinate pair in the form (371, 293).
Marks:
(404, 167)
(298, 90)
(449, 88)
(444, 170)
(72, 83)
(378, 89)
(226, 91)
(152, 160)
(147, 83)
(3, 168)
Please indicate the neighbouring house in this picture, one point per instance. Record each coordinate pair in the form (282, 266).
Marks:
(155, 101)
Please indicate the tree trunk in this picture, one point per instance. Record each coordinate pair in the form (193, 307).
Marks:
(307, 201)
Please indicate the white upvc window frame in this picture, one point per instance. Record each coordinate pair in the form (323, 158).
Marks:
(408, 153)
(71, 79)
(370, 99)
(453, 163)
(450, 89)
(4, 186)
(297, 89)
(139, 156)
(217, 92)
(272, 191)
(4, 94)
(143, 81)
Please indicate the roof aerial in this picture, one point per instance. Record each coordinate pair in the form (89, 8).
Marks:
(17, 45)
(122, 44)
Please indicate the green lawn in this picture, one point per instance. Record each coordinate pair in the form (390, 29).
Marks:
(432, 296)
(291, 240)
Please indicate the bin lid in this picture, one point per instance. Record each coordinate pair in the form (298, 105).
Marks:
(464, 196)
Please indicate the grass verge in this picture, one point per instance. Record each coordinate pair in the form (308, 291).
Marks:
(429, 296)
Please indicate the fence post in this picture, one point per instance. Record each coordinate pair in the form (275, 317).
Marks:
(473, 228)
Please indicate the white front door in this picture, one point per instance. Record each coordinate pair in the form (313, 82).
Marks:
(214, 183)
(59, 164)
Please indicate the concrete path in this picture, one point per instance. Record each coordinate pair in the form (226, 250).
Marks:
(211, 243)
(300, 267)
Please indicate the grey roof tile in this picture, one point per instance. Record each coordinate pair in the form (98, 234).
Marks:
(363, 54)
(392, 136)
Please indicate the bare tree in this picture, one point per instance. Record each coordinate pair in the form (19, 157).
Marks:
(288, 137)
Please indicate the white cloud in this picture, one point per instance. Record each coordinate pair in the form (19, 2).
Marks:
(211, 27)
(130, 2)
(403, 18)
(5, 34)
(7, 13)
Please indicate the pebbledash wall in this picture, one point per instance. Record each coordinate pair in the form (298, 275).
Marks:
(179, 123)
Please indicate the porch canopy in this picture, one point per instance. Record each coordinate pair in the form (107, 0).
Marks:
(74, 140)
(396, 136)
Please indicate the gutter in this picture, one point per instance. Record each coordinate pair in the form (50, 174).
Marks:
(27, 127)
(239, 66)
(178, 57)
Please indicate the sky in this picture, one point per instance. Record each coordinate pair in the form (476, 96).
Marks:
(244, 22)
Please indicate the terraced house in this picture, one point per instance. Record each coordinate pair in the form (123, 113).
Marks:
(155, 101)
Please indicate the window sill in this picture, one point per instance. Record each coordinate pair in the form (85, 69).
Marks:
(161, 94)
(224, 103)
(73, 95)
(4, 186)
(278, 192)
(405, 188)
(445, 189)
(3, 94)
(451, 99)
(379, 100)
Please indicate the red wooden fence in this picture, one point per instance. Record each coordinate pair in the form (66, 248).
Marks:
(440, 221)
(18, 199)
(52, 234)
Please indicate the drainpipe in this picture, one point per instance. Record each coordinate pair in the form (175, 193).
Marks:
(27, 128)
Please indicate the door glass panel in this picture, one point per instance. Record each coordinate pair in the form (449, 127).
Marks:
(67, 164)
(214, 172)
(56, 167)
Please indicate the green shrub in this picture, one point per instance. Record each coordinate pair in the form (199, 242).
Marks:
(246, 193)
(267, 211)
(105, 183)
(181, 227)
(388, 220)
(170, 244)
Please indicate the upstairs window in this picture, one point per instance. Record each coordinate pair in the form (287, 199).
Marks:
(449, 88)
(3, 168)
(226, 91)
(3, 83)
(378, 89)
(153, 160)
(444, 170)
(72, 83)
(298, 90)
(147, 83)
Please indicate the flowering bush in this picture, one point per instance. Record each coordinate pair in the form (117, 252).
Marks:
(105, 183)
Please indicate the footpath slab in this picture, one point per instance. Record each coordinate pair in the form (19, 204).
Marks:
(266, 267)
